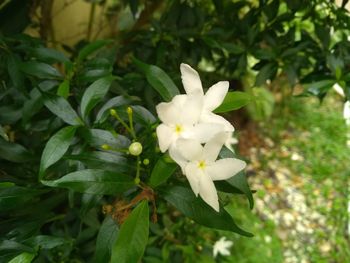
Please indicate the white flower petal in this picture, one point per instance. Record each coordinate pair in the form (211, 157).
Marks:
(190, 149)
(177, 157)
(209, 117)
(213, 147)
(168, 112)
(203, 132)
(191, 80)
(165, 136)
(193, 174)
(215, 95)
(225, 168)
(208, 192)
(191, 110)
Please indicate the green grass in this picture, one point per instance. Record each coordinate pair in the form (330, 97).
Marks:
(316, 132)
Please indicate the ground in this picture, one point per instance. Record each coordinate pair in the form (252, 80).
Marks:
(298, 165)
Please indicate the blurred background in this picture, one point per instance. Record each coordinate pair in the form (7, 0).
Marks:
(292, 57)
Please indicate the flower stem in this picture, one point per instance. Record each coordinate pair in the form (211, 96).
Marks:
(115, 115)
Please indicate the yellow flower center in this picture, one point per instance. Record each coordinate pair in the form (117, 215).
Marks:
(178, 128)
(201, 164)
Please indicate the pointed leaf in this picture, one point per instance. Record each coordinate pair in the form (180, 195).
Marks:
(56, 147)
(91, 48)
(195, 208)
(133, 236)
(158, 79)
(25, 257)
(94, 93)
(161, 172)
(40, 70)
(61, 108)
(233, 101)
(14, 152)
(105, 240)
(92, 181)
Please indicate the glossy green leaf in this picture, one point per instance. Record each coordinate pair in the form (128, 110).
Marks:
(233, 101)
(14, 152)
(46, 242)
(195, 208)
(63, 89)
(109, 161)
(25, 257)
(162, 170)
(113, 102)
(40, 70)
(48, 55)
(15, 196)
(133, 236)
(13, 68)
(61, 108)
(105, 240)
(56, 147)
(239, 181)
(94, 182)
(94, 93)
(158, 79)
(98, 137)
(91, 48)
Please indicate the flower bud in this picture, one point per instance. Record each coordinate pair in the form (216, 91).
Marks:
(146, 161)
(129, 110)
(135, 148)
(112, 112)
(137, 180)
(105, 147)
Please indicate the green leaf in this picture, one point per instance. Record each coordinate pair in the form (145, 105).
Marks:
(15, 196)
(40, 70)
(233, 101)
(195, 208)
(56, 147)
(105, 240)
(61, 108)
(23, 258)
(92, 181)
(133, 236)
(239, 181)
(48, 55)
(63, 89)
(114, 102)
(158, 79)
(161, 172)
(46, 242)
(14, 152)
(94, 93)
(109, 161)
(13, 68)
(266, 72)
(98, 137)
(91, 48)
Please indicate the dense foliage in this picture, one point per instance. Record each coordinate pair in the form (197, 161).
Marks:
(70, 190)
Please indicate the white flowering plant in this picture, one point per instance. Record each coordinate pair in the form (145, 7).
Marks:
(112, 172)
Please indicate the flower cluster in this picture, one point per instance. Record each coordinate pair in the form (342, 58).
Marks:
(194, 135)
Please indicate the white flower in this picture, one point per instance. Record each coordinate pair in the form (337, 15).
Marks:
(222, 247)
(212, 99)
(201, 167)
(180, 120)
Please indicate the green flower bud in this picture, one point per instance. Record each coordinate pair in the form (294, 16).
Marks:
(105, 147)
(146, 161)
(129, 110)
(137, 180)
(112, 112)
(135, 148)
